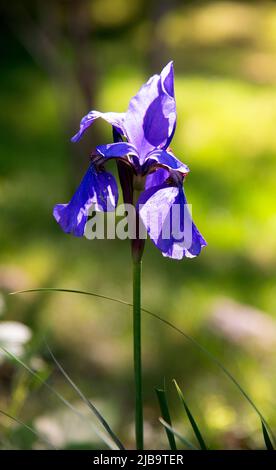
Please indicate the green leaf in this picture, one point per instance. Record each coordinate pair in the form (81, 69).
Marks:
(191, 418)
(177, 434)
(29, 428)
(175, 328)
(267, 440)
(101, 435)
(163, 403)
(88, 403)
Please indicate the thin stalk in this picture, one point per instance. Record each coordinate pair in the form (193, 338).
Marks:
(137, 354)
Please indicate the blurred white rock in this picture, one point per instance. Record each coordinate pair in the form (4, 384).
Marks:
(63, 427)
(13, 337)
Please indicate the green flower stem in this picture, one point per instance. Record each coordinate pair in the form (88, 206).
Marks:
(137, 354)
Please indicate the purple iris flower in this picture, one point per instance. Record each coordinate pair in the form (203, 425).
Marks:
(146, 165)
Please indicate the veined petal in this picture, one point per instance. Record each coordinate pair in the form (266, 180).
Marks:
(161, 158)
(154, 207)
(118, 149)
(115, 119)
(177, 251)
(151, 116)
(164, 212)
(98, 191)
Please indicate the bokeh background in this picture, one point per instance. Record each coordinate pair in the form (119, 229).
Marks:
(58, 60)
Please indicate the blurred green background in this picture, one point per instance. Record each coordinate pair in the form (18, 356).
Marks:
(58, 60)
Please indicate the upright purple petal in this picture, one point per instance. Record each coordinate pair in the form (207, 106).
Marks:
(164, 212)
(98, 191)
(151, 117)
(115, 119)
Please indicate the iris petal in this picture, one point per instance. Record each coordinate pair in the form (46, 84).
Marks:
(118, 149)
(164, 212)
(151, 117)
(150, 120)
(161, 158)
(98, 191)
(156, 178)
(115, 119)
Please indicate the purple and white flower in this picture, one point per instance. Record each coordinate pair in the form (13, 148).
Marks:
(146, 165)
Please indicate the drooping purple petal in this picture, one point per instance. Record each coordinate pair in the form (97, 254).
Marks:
(164, 212)
(161, 158)
(154, 206)
(151, 117)
(98, 191)
(115, 119)
(177, 251)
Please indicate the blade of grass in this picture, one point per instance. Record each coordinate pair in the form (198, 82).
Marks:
(191, 418)
(164, 408)
(102, 436)
(267, 440)
(175, 328)
(182, 439)
(92, 407)
(29, 428)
